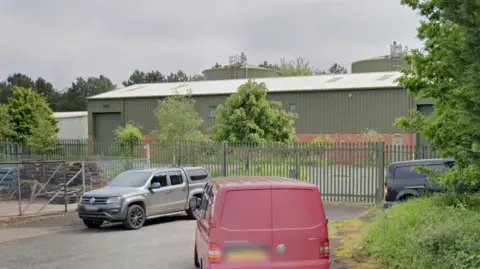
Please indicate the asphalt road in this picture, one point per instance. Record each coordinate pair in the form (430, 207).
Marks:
(164, 243)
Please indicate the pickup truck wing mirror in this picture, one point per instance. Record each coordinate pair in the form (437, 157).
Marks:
(155, 185)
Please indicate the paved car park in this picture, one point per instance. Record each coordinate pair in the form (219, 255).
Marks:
(64, 242)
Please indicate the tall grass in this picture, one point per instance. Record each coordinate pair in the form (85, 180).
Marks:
(441, 232)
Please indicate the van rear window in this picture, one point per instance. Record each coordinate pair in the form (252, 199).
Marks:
(247, 210)
(296, 208)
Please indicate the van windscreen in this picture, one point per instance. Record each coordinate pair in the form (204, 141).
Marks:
(296, 208)
(247, 210)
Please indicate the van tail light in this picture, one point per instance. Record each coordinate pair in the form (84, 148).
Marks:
(214, 253)
(325, 249)
(385, 191)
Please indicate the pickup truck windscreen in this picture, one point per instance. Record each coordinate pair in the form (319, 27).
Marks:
(130, 179)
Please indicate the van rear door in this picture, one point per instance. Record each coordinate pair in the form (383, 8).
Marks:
(299, 227)
(245, 230)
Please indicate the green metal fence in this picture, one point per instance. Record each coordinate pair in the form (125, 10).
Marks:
(343, 172)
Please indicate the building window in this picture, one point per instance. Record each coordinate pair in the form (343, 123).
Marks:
(292, 108)
(212, 111)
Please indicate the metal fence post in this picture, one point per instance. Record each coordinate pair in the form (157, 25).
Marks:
(19, 183)
(65, 193)
(83, 178)
(147, 148)
(249, 162)
(381, 170)
(225, 158)
(297, 160)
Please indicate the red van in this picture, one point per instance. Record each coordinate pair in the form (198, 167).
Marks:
(260, 223)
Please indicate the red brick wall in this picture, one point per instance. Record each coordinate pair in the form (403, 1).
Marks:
(408, 139)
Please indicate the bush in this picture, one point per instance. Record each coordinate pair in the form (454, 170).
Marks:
(127, 139)
(438, 232)
(263, 170)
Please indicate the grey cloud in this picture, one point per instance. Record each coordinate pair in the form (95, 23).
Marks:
(62, 40)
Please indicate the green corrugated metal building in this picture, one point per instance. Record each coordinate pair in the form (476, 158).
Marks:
(340, 106)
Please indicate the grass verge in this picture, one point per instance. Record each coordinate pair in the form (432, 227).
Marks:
(438, 232)
(346, 240)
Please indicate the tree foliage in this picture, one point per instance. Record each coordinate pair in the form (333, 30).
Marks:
(43, 138)
(299, 67)
(40, 86)
(302, 67)
(127, 139)
(248, 117)
(178, 119)
(337, 69)
(446, 69)
(26, 109)
(5, 123)
(140, 77)
(75, 98)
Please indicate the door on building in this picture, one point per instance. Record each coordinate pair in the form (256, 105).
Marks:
(423, 151)
(104, 127)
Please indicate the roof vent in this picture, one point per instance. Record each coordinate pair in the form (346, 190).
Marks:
(135, 88)
(333, 79)
(180, 86)
(385, 77)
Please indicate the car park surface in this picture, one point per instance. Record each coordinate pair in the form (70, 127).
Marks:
(65, 243)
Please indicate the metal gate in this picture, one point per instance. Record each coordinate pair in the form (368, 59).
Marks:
(33, 188)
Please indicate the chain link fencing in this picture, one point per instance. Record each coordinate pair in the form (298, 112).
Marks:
(31, 188)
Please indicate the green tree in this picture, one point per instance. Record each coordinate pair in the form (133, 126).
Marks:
(5, 124)
(43, 138)
(127, 139)
(75, 98)
(299, 67)
(180, 76)
(446, 69)
(16, 79)
(337, 69)
(265, 64)
(26, 109)
(177, 118)
(247, 116)
(139, 77)
(195, 77)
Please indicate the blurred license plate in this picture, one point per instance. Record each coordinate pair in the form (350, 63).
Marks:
(91, 207)
(246, 256)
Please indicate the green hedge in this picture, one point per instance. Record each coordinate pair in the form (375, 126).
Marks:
(438, 232)
(280, 171)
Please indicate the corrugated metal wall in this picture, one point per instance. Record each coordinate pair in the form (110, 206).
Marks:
(73, 128)
(319, 112)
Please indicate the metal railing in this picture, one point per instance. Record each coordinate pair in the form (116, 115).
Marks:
(343, 172)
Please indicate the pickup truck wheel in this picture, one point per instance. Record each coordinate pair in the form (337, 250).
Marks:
(195, 257)
(92, 224)
(135, 217)
(191, 213)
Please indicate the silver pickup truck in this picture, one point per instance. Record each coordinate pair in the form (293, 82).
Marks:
(136, 195)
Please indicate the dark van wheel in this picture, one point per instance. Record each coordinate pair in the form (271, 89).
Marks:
(195, 257)
(135, 217)
(92, 224)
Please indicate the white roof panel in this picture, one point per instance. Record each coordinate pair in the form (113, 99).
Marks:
(73, 114)
(275, 84)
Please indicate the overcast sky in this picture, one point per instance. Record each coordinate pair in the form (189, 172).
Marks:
(65, 39)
